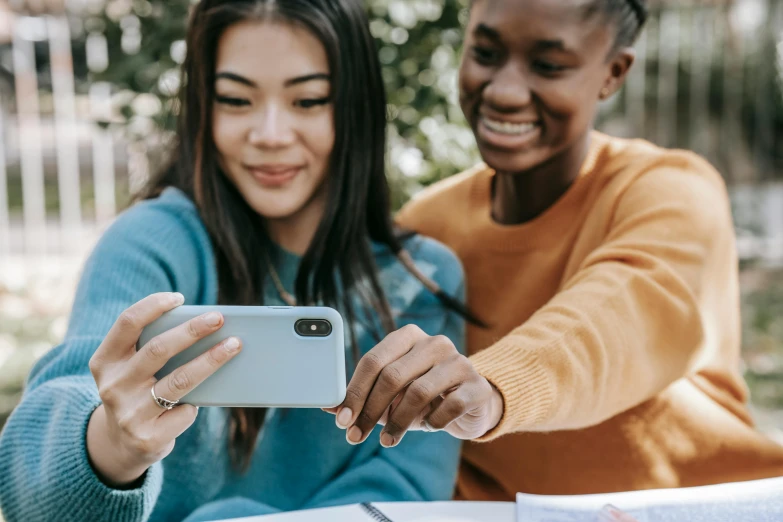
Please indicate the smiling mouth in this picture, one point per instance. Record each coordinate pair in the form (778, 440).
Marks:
(273, 170)
(507, 128)
(274, 175)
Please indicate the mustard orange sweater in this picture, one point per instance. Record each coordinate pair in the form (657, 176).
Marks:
(614, 333)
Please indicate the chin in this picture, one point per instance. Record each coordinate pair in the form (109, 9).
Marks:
(272, 206)
(512, 161)
(276, 211)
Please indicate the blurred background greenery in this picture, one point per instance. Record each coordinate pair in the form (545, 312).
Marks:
(88, 85)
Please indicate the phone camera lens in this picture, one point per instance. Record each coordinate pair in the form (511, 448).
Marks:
(313, 327)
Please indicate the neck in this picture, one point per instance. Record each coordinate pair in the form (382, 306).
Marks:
(518, 197)
(294, 233)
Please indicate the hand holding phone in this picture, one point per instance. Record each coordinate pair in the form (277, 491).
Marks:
(131, 430)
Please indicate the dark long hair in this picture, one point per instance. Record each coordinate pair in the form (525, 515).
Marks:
(358, 206)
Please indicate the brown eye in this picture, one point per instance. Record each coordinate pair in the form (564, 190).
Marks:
(547, 67)
(312, 102)
(232, 102)
(484, 55)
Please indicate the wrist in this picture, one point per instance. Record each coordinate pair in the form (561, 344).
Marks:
(496, 409)
(106, 459)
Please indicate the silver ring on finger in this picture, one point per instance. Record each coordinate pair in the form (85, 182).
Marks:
(160, 401)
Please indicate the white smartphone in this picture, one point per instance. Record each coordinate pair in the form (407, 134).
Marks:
(292, 357)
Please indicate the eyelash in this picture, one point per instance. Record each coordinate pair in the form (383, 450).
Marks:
(312, 102)
(483, 55)
(486, 56)
(548, 67)
(233, 102)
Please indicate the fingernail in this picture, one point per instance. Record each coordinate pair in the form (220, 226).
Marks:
(232, 345)
(354, 435)
(343, 418)
(428, 427)
(212, 318)
(177, 299)
(387, 441)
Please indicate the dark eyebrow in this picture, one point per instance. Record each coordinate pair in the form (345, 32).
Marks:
(550, 45)
(487, 32)
(540, 45)
(307, 78)
(235, 78)
(293, 81)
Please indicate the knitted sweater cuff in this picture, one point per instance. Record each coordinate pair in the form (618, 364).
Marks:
(527, 390)
(85, 496)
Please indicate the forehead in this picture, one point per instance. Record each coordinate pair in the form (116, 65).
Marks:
(574, 22)
(260, 50)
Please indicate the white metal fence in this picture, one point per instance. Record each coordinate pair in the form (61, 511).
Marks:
(709, 77)
(59, 169)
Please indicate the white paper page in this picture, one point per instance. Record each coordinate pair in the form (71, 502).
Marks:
(402, 512)
(754, 501)
(336, 514)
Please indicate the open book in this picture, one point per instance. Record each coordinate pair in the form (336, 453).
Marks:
(753, 501)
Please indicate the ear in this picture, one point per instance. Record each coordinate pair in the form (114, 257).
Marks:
(619, 66)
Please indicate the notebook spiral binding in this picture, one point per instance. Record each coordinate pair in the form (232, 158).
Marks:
(374, 512)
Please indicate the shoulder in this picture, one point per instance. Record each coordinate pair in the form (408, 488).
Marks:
(162, 236)
(171, 210)
(433, 256)
(637, 175)
(432, 259)
(433, 206)
(671, 193)
(169, 221)
(636, 161)
(677, 176)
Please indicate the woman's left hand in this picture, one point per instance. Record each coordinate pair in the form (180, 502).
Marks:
(413, 381)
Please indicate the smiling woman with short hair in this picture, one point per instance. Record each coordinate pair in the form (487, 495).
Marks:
(605, 268)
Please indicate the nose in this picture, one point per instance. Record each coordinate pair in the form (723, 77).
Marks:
(508, 90)
(273, 129)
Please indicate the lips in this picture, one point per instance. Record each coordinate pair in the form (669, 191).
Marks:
(274, 175)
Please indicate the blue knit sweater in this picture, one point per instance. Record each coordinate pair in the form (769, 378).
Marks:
(302, 459)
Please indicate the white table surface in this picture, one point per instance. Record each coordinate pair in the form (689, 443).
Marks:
(402, 512)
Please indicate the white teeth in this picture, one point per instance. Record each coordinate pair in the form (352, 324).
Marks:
(504, 127)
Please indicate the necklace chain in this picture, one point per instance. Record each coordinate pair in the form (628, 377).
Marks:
(287, 297)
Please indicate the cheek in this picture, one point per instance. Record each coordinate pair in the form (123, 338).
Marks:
(566, 100)
(471, 77)
(319, 137)
(227, 134)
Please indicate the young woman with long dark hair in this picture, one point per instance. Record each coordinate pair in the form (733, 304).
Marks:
(277, 195)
